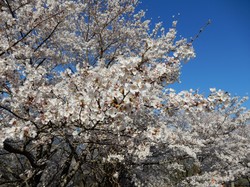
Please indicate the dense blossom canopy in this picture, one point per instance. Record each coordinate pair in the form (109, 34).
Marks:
(86, 100)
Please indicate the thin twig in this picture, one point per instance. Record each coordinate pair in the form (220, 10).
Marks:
(200, 31)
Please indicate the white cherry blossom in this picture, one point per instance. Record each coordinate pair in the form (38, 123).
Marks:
(85, 97)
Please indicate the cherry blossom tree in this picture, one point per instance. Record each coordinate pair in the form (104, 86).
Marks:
(85, 101)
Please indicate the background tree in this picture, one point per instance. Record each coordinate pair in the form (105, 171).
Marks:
(83, 102)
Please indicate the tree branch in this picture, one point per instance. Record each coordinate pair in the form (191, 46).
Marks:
(13, 113)
(8, 147)
(47, 36)
(24, 36)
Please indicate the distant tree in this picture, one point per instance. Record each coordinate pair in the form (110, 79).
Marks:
(84, 102)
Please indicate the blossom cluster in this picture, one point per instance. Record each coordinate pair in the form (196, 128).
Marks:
(86, 84)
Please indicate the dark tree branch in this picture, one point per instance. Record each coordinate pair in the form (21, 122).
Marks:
(13, 113)
(8, 147)
(25, 35)
(200, 31)
(47, 37)
(70, 175)
(12, 12)
(13, 45)
(40, 63)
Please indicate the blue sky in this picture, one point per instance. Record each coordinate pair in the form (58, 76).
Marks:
(222, 50)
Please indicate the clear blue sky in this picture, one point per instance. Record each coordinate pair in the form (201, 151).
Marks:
(222, 50)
